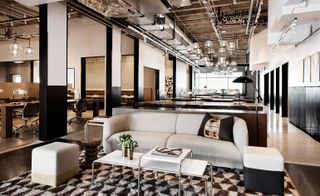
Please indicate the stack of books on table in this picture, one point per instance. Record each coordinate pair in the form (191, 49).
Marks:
(168, 152)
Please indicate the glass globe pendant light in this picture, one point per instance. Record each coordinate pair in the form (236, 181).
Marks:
(15, 48)
(28, 50)
(195, 46)
(208, 44)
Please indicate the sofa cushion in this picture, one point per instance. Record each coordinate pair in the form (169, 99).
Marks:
(188, 123)
(152, 122)
(226, 129)
(218, 152)
(146, 140)
(217, 127)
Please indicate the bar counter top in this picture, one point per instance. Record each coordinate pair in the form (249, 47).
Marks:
(199, 105)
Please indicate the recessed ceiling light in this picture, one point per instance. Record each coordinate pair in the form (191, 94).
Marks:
(223, 31)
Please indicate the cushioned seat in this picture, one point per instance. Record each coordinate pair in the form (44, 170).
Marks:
(263, 170)
(219, 153)
(146, 140)
(54, 163)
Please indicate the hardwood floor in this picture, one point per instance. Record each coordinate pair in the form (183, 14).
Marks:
(295, 145)
(27, 138)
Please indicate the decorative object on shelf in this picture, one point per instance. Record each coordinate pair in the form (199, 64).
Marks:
(122, 140)
(168, 152)
(131, 145)
(169, 86)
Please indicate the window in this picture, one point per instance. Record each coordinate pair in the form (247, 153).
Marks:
(217, 82)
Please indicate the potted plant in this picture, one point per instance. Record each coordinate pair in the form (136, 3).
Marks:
(131, 145)
(122, 140)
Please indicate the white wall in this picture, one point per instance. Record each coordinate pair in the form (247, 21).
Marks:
(86, 38)
(116, 57)
(127, 45)
(181, 78)
(57, 42)
(154, 58)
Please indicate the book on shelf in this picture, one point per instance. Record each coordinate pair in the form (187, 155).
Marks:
(168, 152)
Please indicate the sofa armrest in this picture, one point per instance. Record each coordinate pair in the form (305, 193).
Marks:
(240, 134)
(113, 125)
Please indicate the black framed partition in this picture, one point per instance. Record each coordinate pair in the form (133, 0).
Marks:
(277, 90)
(266, 89)
(271, 94)
(284, 90)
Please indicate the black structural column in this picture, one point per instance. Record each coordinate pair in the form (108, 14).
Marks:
(266, 89)
(271, 90)
(190, 77)
(83, 77)
(138, 85)
(277, 94)
(53, 71)
(284, 90)
(174, 77)
(113, 70)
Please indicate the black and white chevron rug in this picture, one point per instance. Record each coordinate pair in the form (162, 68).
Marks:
(123, 181)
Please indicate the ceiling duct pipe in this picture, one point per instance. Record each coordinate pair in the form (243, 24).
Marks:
(249, 17)
(164, 47)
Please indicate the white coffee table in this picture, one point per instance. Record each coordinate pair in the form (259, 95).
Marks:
(179, 166)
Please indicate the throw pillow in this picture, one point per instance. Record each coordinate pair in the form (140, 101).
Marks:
(206, 117)
(226, 129)
(217, 128)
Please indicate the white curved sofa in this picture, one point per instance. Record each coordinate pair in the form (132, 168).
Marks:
(173, 130)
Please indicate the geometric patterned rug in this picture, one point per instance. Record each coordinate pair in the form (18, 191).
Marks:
(123, 181)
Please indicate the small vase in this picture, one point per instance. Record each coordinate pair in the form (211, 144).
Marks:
(125, 152)
(130, 154)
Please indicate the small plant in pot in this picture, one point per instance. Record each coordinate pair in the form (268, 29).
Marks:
(122, 140)
(131, 144)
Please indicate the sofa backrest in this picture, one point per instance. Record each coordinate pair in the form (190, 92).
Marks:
(188, 123)
(152, 121)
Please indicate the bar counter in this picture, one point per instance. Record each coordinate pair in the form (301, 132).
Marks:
(200, 105)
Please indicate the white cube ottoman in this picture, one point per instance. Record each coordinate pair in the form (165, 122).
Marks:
(263, 170)
(54, 163)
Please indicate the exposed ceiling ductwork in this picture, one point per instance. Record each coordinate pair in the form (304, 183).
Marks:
(112, 8)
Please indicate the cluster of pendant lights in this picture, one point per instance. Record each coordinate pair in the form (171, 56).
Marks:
(220, 61)
(16, 48)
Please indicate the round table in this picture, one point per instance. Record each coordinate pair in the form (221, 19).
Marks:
(91, 150)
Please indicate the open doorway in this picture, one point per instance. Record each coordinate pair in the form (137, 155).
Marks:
(92, 83)
(151, 84)
(127, 70)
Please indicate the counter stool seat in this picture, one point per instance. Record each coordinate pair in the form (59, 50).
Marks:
(263, 170)
(54, 163)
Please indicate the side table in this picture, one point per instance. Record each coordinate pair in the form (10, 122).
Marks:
(91, 150)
